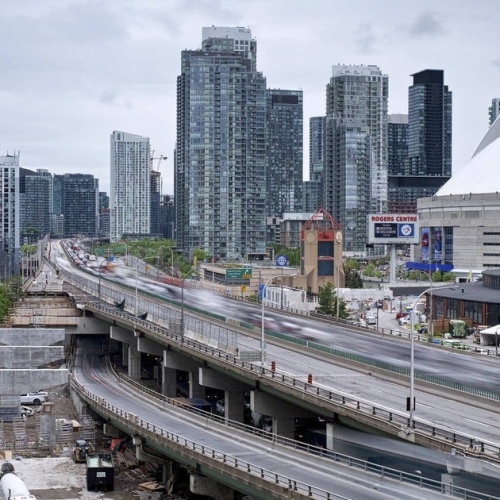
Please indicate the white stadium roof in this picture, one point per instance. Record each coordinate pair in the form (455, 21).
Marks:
(482, 173)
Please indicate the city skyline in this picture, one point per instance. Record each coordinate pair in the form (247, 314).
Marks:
(76, 71)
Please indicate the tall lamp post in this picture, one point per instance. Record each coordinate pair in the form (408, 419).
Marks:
(136, 275)
(171, 255)
(191, 271)
(410, 405)
(263, 320)
(104, 261)
(337, 300)
(126, 251)
(429, 318)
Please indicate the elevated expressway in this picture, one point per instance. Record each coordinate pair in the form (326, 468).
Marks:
(350, 398)
(241, 458)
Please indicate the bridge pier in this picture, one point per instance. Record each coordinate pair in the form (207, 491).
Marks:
(201, 485)
(234, 392)
(131, 357)
(176, 361)
(282, 412)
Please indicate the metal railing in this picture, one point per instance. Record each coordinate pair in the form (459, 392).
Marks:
(161, 318)
(469, 444)
(264, 475)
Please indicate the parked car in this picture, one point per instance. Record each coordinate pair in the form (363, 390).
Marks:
(220, 407)
(34, 398)
(404, 320)
(26, 412)
(371, 319)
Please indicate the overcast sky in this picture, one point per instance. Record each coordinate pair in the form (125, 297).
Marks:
(72, 71)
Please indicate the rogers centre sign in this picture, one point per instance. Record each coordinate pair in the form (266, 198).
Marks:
(393, 228)
(394, 218)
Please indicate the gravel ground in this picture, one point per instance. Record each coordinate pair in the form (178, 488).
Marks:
(57, 477)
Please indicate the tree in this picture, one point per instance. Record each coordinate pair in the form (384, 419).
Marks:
(327, 299)
(352, 279)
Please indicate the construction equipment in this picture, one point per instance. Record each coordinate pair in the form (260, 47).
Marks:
(80, 450)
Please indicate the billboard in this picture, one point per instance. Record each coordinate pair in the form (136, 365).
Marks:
(393, 228)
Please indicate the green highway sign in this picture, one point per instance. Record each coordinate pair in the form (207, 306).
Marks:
(239, 273)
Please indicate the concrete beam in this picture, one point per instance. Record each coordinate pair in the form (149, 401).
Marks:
(29, 357)
(201, 485)
(212, 378)
(125, 336)
(178, 361)
(31, 336)
(22, 381)
(274, 407)
(148, 346)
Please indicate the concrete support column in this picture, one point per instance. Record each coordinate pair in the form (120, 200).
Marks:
(169, 382)
(284, 427)
(134, 363)
(234, 405)
(282, 412)
(168, 378)
(125, 354)
(126, 338)
(330, 431)
(177, 361)
(167, 471)
(195, 389)
(201, 485)
(234, 392)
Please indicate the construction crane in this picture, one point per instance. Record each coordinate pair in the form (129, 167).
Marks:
(159, 159)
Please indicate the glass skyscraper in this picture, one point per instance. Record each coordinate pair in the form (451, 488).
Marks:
(285, 151)
(355, 176)
(35, 204)
(80, 204)
(9, 241)
(130, 185)
(221, 154)
(429, 137)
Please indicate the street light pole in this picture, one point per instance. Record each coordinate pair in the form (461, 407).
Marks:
(104, 261)
(496, 342)
(182, 299)
(126, 252)
(410, 405)
(172, 257)
(263, 320)
(337, 293)
(136, 275)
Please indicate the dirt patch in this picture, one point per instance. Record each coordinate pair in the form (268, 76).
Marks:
(52, 474)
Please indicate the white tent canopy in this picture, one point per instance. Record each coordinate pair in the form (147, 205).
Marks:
(491, 329)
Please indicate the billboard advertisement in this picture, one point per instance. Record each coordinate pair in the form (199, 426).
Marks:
(438, 244)
(426, 240)
(393, 228)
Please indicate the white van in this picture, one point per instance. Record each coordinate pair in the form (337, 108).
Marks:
(371, 319)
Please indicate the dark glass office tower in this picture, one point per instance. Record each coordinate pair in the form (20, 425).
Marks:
(221, 156)
(429, 139)
(397, 158)
(285, 151)
(80, 205)
(35, 204)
